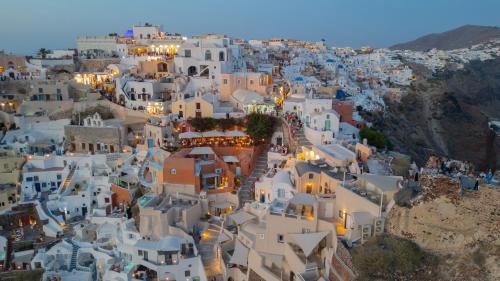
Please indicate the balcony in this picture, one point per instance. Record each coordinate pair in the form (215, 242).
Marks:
(298, 261)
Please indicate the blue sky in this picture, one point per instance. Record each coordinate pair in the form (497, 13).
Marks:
(27, 25)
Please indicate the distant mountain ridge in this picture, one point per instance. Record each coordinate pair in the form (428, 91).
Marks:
(462, 37)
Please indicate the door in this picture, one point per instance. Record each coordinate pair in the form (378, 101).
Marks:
(279, 141)
(309, 188)
(91, 147)
(328, 125)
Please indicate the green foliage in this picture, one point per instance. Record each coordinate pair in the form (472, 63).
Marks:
(207, 123)
(203, 124)
(260, 126)
(385, 255)
(226, 124)
(375, 138)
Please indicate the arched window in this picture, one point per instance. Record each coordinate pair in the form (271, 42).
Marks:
(208, 55)
(192, 71)
(221, 56)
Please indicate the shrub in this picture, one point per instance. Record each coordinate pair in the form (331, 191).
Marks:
(374, 138)
(260, 126)
(202, 124)
(385, 255)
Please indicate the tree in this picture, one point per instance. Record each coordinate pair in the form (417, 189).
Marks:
(43, 53)
(260, 126)
(202, 124)
(226, 123)
(374, 137)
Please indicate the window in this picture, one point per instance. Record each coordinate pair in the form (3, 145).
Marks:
(106, 200)
(59, 176)
(225, 82)
(208, 55)
(251, 82)
(328, 116)
(281, 193)
(311, 176)
(306, 230)
(238, 82)
(40, 90)
(180, 106)
(139, 252)
(198, 105)
(35, 178)
(341, 214)
(28, 179)
(260, 235)
(187, 53)
(173, 171)
(187, 273)
(281, 238)
(6, 165)
(58, 91)
(83, 145)
(131, 236)
(221, 56)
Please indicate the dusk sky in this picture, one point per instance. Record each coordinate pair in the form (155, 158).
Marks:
(26, 26)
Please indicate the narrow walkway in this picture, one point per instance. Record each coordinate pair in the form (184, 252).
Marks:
(245, 193)
(206, 248)
(67, 180)
(74, 254)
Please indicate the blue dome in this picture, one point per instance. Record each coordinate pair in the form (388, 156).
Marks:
(129, 34)
(340, 66)
(329, 60)
(340, 95)
(298, 78)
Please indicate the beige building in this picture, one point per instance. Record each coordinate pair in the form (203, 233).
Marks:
(317, 178)
(48, 90)
(200, 105)
(160, 215)
(96, 135)
(292, 240)
(8, 195)
(252, 81)
(10, 166)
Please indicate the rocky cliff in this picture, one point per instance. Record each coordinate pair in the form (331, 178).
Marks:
(448, 114)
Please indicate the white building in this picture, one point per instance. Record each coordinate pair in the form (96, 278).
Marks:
(207, 58)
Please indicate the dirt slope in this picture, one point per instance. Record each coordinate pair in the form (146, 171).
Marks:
(464, 233)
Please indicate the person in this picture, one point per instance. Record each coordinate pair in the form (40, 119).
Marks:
(476, 186)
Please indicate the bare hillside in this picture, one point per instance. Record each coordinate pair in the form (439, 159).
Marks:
(462, 37)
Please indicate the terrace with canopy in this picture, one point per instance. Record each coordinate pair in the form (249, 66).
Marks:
(215, 138)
